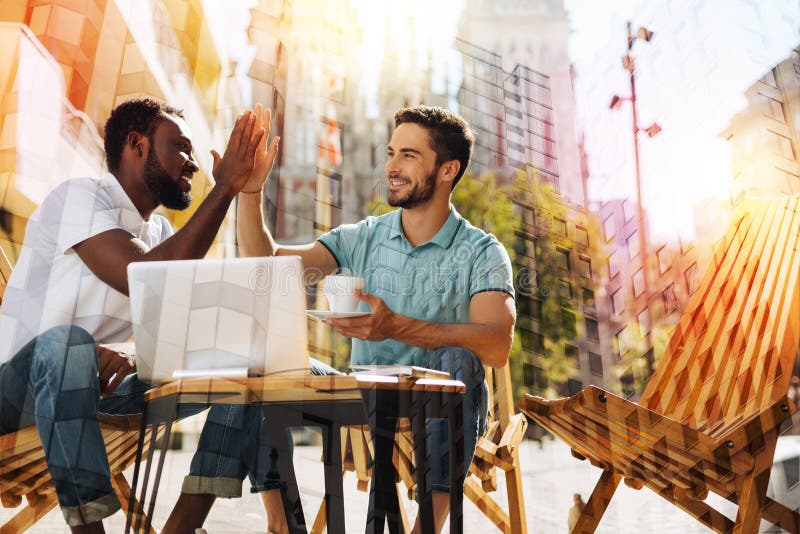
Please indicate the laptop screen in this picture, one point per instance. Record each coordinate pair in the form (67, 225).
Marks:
(218, 316)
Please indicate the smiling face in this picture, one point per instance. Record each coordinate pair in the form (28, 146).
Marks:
(170, 164)
(411, 167)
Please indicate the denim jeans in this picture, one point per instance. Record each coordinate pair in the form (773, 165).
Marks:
(238, 447)
(462, 365)
(233, 446)
(52, 382)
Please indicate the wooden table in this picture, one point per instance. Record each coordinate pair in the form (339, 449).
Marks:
(329, 402)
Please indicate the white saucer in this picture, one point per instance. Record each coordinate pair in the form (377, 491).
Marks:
(327, 314)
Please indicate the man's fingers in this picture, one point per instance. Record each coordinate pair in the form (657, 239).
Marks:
(255, 140)
(247, 134)
(217, 158)
(267, 120)
(236, 134)
(118, 378)
(273, 151)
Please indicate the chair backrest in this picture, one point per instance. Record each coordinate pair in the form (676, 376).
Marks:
(732, 352)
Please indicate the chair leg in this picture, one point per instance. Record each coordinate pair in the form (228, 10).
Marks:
(752, 497)
(321, 520)
(123, 490)
(516, 506)
(781, 516)
(598, 502)
(28, 516)
(752, 492)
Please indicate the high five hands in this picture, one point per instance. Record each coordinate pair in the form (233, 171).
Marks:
(248, 159)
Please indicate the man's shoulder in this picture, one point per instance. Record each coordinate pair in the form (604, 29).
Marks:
(470, 233)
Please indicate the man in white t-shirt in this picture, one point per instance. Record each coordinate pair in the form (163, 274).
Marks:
(65, 317)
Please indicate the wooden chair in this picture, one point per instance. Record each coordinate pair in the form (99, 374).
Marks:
(497, 448)
(23, 469)
(710, 415)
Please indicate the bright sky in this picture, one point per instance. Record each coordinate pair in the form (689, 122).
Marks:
(690, 79)
(435, 25)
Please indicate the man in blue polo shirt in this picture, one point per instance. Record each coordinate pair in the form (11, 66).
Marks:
(439, 290)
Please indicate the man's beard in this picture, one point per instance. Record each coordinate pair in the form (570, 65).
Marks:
(162, 186)
(419, 194)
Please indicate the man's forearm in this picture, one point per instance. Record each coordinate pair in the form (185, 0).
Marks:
(252, 235)
(195, 238)
(491, 343)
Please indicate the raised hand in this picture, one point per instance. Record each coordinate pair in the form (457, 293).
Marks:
(233, 169)
(265, 157)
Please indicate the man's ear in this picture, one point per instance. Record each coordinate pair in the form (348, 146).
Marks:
(138, 143)
(449, 170)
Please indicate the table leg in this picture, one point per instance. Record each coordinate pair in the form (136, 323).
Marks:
(279, 422)
(455, 405)
(384, 504)
(334, 488)
(419, 402)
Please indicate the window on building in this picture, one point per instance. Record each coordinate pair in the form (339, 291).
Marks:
(690, 277)
(562, 256)
(670, 299)
(581, 236)
(664, 260)
(644, 321)
(527, 373)
(531, 341)
(617, 302)
(524, 306)
(584, 266)
(609, 228)
(782, 145)
(568, 321)
(628, 210)
(560, 226)
(769, 79)
(538, 343)
(565, 290)
(627, 382)
(572, 354)
(588, 297)
(613, 264)
(633, 245)
(592, 331)
(574, 386)
(638, 283)
(595, 364)
(773, 108)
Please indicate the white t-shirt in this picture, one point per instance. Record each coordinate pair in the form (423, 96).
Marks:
(50, 285)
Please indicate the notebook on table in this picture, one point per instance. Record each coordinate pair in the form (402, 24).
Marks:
(219, 317)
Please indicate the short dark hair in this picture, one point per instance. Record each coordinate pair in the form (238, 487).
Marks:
(137, 115)
(451, 137)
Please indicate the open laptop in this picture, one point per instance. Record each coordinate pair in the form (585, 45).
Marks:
(228, 317)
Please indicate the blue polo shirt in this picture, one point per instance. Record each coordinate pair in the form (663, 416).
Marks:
(433, 281)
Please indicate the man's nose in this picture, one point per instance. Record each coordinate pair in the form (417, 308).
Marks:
(192, 163)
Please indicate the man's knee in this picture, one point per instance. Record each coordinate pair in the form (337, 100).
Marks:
(67, 346)
(461, 363)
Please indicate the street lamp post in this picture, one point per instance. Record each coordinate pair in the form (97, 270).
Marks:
(616, 102)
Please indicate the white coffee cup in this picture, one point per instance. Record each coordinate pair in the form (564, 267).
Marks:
(340, 292)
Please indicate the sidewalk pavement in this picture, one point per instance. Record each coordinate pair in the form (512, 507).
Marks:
(550, 477)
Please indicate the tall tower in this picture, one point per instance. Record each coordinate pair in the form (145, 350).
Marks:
(534, 33)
